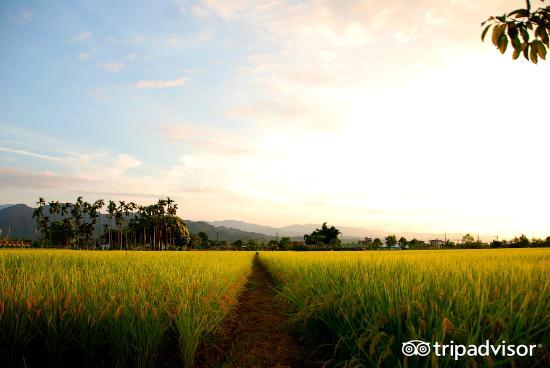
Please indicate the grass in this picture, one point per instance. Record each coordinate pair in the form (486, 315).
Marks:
(357, 308)
(63, 308)
(354, 309)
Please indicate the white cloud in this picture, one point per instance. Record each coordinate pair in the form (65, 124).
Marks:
(24, 17)
(29, 153)
(113, 67)
(81, 37)
(146, 84)
(134, 40)
(84, 56)
(131, 56)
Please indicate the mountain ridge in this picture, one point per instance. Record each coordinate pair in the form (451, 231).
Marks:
(17, 220)
(348, 232)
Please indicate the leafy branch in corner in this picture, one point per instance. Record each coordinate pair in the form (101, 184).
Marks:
(525, 30)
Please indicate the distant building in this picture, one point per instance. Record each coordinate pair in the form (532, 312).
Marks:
(366, 241)
(437, 243)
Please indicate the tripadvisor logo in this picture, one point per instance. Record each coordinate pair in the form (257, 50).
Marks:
(423, 348)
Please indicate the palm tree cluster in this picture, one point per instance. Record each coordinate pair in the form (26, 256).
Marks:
(127, 225)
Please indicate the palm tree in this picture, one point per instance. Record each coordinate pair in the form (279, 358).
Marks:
(67, 225)
(54, 209)
(93, 219)
(98, 205)
(171, 211)
(105, 228)
(77, 216)
(87, 230)
(111, 209)
(161, 212)
(86, 209)
(44, 222)
(37, 215)
(130, 207)
(119, 219)
(65, 207)
(140, 219)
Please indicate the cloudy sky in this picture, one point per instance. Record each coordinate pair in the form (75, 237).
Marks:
(381, 114)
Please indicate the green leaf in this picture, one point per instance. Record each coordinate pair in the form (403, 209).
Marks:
(533, 54)
(520, 13)
(484, 33)
(516, 54)
(525, 35)
(497, 32)
(526, 50)
(544, 36)
(512, 30)
(538, 30)
(516, 43)
(503, 43)
(541, 50)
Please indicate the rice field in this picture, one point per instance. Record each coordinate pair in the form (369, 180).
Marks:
(348, 309)
(357, 308)
(142, 309)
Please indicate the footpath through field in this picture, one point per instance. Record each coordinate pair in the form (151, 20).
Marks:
(256, 335)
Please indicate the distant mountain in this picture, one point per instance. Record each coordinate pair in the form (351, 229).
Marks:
(297, 231)
(245, 226)
(225, 233)
(294, 231)
(18, 222)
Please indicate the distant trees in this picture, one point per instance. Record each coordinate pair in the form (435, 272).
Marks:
(391, 240)
(402, 242)
(323, 236)
(155, 226)
(204, 239)
(195, 241)
(238, 244)
(285, 243)
(527, 31)
(252, 244)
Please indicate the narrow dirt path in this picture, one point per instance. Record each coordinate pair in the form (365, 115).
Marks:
(256, 335)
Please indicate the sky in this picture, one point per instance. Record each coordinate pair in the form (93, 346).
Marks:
(379, 114)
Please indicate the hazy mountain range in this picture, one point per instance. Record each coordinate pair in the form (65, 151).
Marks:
(18, 221)
(348, 233)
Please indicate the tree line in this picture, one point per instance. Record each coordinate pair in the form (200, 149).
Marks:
(128, 225)
(467, 242)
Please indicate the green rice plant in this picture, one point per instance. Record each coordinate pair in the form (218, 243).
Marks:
(358, 308)
(60, 307)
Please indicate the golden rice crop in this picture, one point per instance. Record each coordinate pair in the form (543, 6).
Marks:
(359, 307)
(113, 308)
